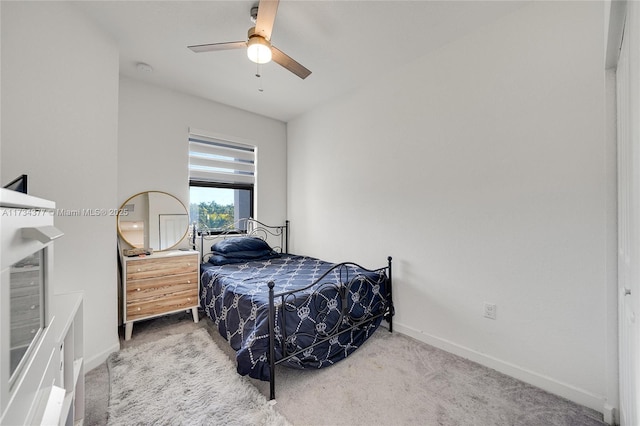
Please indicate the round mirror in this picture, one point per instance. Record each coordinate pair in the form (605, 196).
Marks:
(153, 219)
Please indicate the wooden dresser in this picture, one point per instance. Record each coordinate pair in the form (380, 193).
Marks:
(159, 284)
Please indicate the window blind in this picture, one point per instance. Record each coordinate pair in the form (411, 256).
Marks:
(214, 160)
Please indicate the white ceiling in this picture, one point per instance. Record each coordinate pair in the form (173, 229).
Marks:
(344, 43)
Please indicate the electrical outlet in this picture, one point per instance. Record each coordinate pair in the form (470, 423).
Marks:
(490, 310)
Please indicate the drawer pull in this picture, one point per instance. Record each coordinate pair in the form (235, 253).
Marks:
(138, 309)
(32, 307)
(188, 299)
(139, 270)
(188, 281)
(33, 331)
(137, 289)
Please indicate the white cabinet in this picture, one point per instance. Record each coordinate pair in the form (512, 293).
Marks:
(71, 350)
(65, 401)
(41, 332)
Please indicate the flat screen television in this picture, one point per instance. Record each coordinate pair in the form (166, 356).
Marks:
(18, 184)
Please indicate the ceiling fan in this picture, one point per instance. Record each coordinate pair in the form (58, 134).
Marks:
(259, 47)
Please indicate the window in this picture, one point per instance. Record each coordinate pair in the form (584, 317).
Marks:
(214, 206)
(221, 180)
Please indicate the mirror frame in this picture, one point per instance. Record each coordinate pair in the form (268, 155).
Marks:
(120, 234)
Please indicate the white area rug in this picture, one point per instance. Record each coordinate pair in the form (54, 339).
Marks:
(183, 379)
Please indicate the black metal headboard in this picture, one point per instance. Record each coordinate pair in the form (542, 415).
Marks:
(276, 236)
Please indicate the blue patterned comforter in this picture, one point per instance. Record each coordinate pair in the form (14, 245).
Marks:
(236, 298)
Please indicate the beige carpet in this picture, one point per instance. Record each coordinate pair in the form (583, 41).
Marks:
(396, 380)
(184, 379)
(391, 380)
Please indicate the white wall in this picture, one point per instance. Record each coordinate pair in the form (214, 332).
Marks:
(485, 171)
(59, 126)
(153, 146)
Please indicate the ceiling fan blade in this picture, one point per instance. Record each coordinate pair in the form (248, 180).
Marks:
(199, 48)
(286, 61)
(266, 17)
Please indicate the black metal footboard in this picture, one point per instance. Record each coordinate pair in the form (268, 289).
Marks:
(339, 307)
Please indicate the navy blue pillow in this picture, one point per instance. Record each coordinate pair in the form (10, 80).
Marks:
(255, 254)
(236, 244)
(218, 260)
(241, 256)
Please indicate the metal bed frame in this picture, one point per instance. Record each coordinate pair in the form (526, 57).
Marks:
(278, 236)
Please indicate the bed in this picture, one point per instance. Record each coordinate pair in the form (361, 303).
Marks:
(276, 308)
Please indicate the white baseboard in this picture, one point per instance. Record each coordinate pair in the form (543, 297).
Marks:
(609, 414)
(96, 360)
(572, 393)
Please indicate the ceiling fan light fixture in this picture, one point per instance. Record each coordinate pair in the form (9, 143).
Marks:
(259, 50)
(258, 41)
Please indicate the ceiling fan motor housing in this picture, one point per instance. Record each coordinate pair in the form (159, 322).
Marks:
(258, 47)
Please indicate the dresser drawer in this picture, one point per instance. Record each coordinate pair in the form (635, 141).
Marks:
(23, 278)
(149, 268)
(143, 308)
(24, 291)
(22, 333)
(161, 286)
(25, 307)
